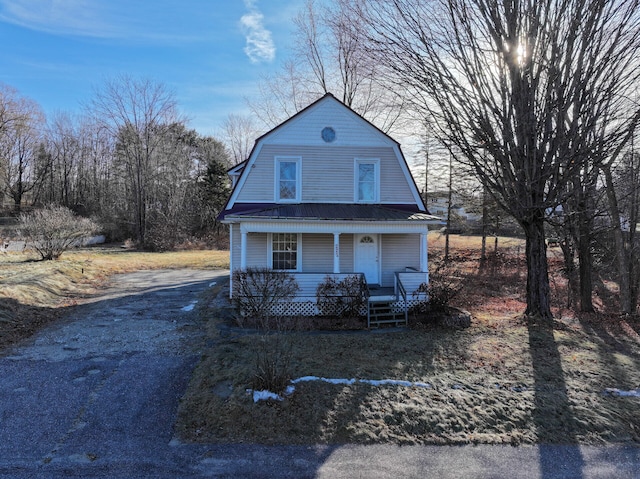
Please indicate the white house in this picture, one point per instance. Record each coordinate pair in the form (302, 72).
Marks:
(328, 193)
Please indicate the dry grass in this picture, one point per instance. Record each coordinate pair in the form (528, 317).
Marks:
(34, 293)
(502, 381)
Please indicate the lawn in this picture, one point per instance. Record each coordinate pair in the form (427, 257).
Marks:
(35, 293)
(504, 380)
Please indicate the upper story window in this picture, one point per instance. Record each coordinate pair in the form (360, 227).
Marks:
(288, 179)
(367, 181)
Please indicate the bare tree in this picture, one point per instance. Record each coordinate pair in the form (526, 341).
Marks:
(21, 122)
(137, 113)
(622, 187)
(239, 132)
(328, 57)
(527, 91)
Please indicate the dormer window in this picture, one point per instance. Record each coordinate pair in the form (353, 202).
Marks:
(367, 181)
(287, 179)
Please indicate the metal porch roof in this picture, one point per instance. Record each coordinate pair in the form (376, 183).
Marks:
(330, 212)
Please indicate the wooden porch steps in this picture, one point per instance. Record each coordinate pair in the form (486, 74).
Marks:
(382, 312)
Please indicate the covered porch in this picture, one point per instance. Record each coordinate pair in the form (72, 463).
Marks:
(387, 247)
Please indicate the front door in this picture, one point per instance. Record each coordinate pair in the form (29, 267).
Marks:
(367, 261)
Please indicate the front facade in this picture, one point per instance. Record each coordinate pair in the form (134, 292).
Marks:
(326, 192)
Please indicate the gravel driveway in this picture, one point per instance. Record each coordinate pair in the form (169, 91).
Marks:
(102, 385)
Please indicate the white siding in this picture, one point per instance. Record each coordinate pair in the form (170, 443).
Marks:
(234, 247)
(399, 252)
(327, 174)
(257, 250)
(317, 253)
(259, 186)
(349, 127)
(346, 253)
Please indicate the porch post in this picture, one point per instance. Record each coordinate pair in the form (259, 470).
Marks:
(336, 252)
(243, 250)
(424, 256)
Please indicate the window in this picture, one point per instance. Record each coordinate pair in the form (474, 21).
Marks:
(288, 179)
(284, 251)
(367, 182)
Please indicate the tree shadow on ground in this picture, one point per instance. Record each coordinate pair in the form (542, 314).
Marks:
(19, 321)
(552, 415)
(618, 355)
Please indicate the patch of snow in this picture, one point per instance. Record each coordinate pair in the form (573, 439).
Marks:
(620, 393)
(305, 379)
(189, 307)
(265, 396)
(211, 285)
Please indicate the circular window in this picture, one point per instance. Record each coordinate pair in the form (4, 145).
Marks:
(328, 134)
(367, 240)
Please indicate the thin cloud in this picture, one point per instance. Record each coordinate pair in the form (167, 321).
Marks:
(260, 46)
(76, 17)
(88, 18)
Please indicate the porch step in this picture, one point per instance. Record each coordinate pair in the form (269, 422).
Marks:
(381, 311)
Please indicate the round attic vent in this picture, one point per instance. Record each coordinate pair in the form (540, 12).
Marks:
(328, 134)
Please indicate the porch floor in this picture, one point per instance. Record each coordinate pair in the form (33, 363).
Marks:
(378, 293)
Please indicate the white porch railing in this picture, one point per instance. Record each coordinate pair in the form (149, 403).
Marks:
(305, 303)
(410, 280)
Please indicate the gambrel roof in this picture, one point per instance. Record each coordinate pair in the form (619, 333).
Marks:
(302, 131)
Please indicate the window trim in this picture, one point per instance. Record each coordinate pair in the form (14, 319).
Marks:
(276, 176)
(356, 176)
(298, 253)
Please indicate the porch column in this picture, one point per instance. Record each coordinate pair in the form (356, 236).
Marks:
(336, 252)
(424, 256)
(243, 250)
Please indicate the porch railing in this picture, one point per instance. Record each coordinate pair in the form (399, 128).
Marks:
(305, 302)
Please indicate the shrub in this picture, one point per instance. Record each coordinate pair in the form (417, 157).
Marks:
(343, 299)
(257, 292)
(52, 230)
(443, 286)
(273, 363)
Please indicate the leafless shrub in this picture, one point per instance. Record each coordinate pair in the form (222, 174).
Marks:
(344, 299)
(52, 230)
(257, 292)
(435, 296)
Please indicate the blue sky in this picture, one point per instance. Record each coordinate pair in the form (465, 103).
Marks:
(210, 53)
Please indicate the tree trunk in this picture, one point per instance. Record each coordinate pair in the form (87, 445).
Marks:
(624, 280)
(538, 291)
(585, 262)
(567, 247)
(485, 219)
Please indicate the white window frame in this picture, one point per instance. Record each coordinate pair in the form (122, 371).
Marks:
(298, 252)
(288, 159)
(356, 176)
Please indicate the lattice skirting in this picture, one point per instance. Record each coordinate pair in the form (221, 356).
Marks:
(304, 307)
(296, 308)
